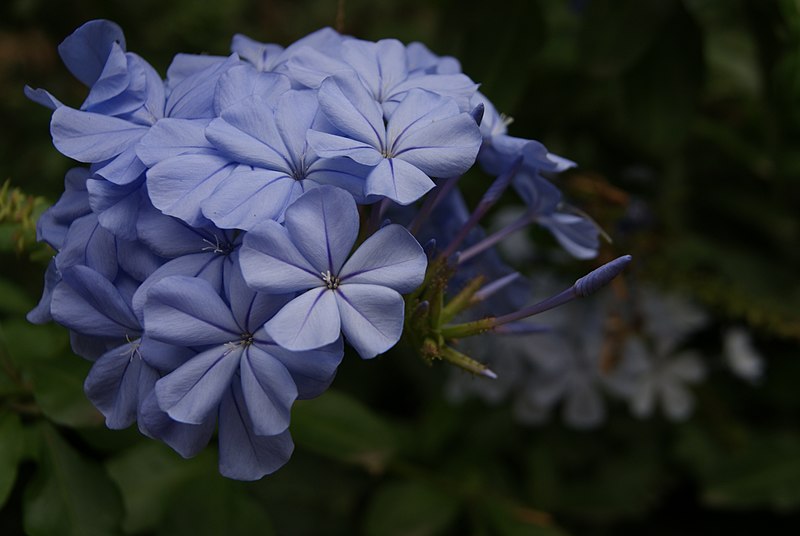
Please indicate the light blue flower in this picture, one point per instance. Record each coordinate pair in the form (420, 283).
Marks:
(426, 136)
(360, 296)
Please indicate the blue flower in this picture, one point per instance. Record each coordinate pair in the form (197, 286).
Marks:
(227, 331)
(426, 136)
(279, 167)
(359, 296)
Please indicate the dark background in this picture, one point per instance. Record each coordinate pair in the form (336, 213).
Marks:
(684, 117)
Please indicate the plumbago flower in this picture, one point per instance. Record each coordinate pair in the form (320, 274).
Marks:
(228, 234)
(359, 296)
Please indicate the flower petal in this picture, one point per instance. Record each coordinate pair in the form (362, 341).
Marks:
(186, 439)
(269, 391)
(350, 107)
(323, 224)
(271, 262)
(334, 146)
(115, 382)
(312, 370)
(372, 317)
(187, 311)
(192, 391)
(307, 322)
(242, 81)
(178, 185)
(89, 137)
(250, 196)
(398, 180)
(90, 304)
(243, 455)
(391, 257)
(84, 52)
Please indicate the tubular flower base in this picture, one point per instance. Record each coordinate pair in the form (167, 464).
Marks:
(238, 224)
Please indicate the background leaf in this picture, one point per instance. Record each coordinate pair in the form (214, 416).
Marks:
(70, 495)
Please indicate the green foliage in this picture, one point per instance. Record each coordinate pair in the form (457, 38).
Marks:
(70, 495)
(339, 427)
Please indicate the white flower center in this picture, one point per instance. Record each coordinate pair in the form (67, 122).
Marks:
(331, 281)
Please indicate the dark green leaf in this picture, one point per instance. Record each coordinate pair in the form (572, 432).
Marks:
(58, 389)
(14, 300)
(11, 446)
(70, 495)
(616, 33)
(763, 471)
(508, 520)
(410, 508)
(213, 505)
(339, 427)
(148, 476)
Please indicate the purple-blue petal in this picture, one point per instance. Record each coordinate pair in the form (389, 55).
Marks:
(307, 322)
(194, 390)
(243, 455)
(391, 257)
(188, 311)
(371, 316)
(323, 225)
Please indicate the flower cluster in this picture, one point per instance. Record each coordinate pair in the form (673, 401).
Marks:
(233, 228)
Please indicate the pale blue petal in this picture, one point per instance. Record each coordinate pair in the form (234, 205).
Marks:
(333, 146)
(194, 390)
(418, 110)
(185, 65)
(136, 259)
(89, 244)
(372, 317)
(188, 311)
(209, 266)
(164, 357)
(398, 180)
(271, 262)
(381, 65)
(88, 303)
(247, 133)
(341, 172)
(307, 322)
(89, 137)
(457, 86)
(117, 207)
(114, 383)
(269, 391)
(323, 225)
(391, 257)
(261, 55)
(54, 223)
(243, 81)
(188, 440)
(312, 370)
(294, 116)
(243, 455)
(349, 106)
(250, 196)
(250, 308)
(177, 186)
(193, 97)
(84, 52)
(124, 169)
(576, 234)
(42, 97)
(41, 313)
(172, 137)
(309, 67)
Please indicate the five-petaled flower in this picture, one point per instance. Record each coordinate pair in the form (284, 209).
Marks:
(360, 296)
